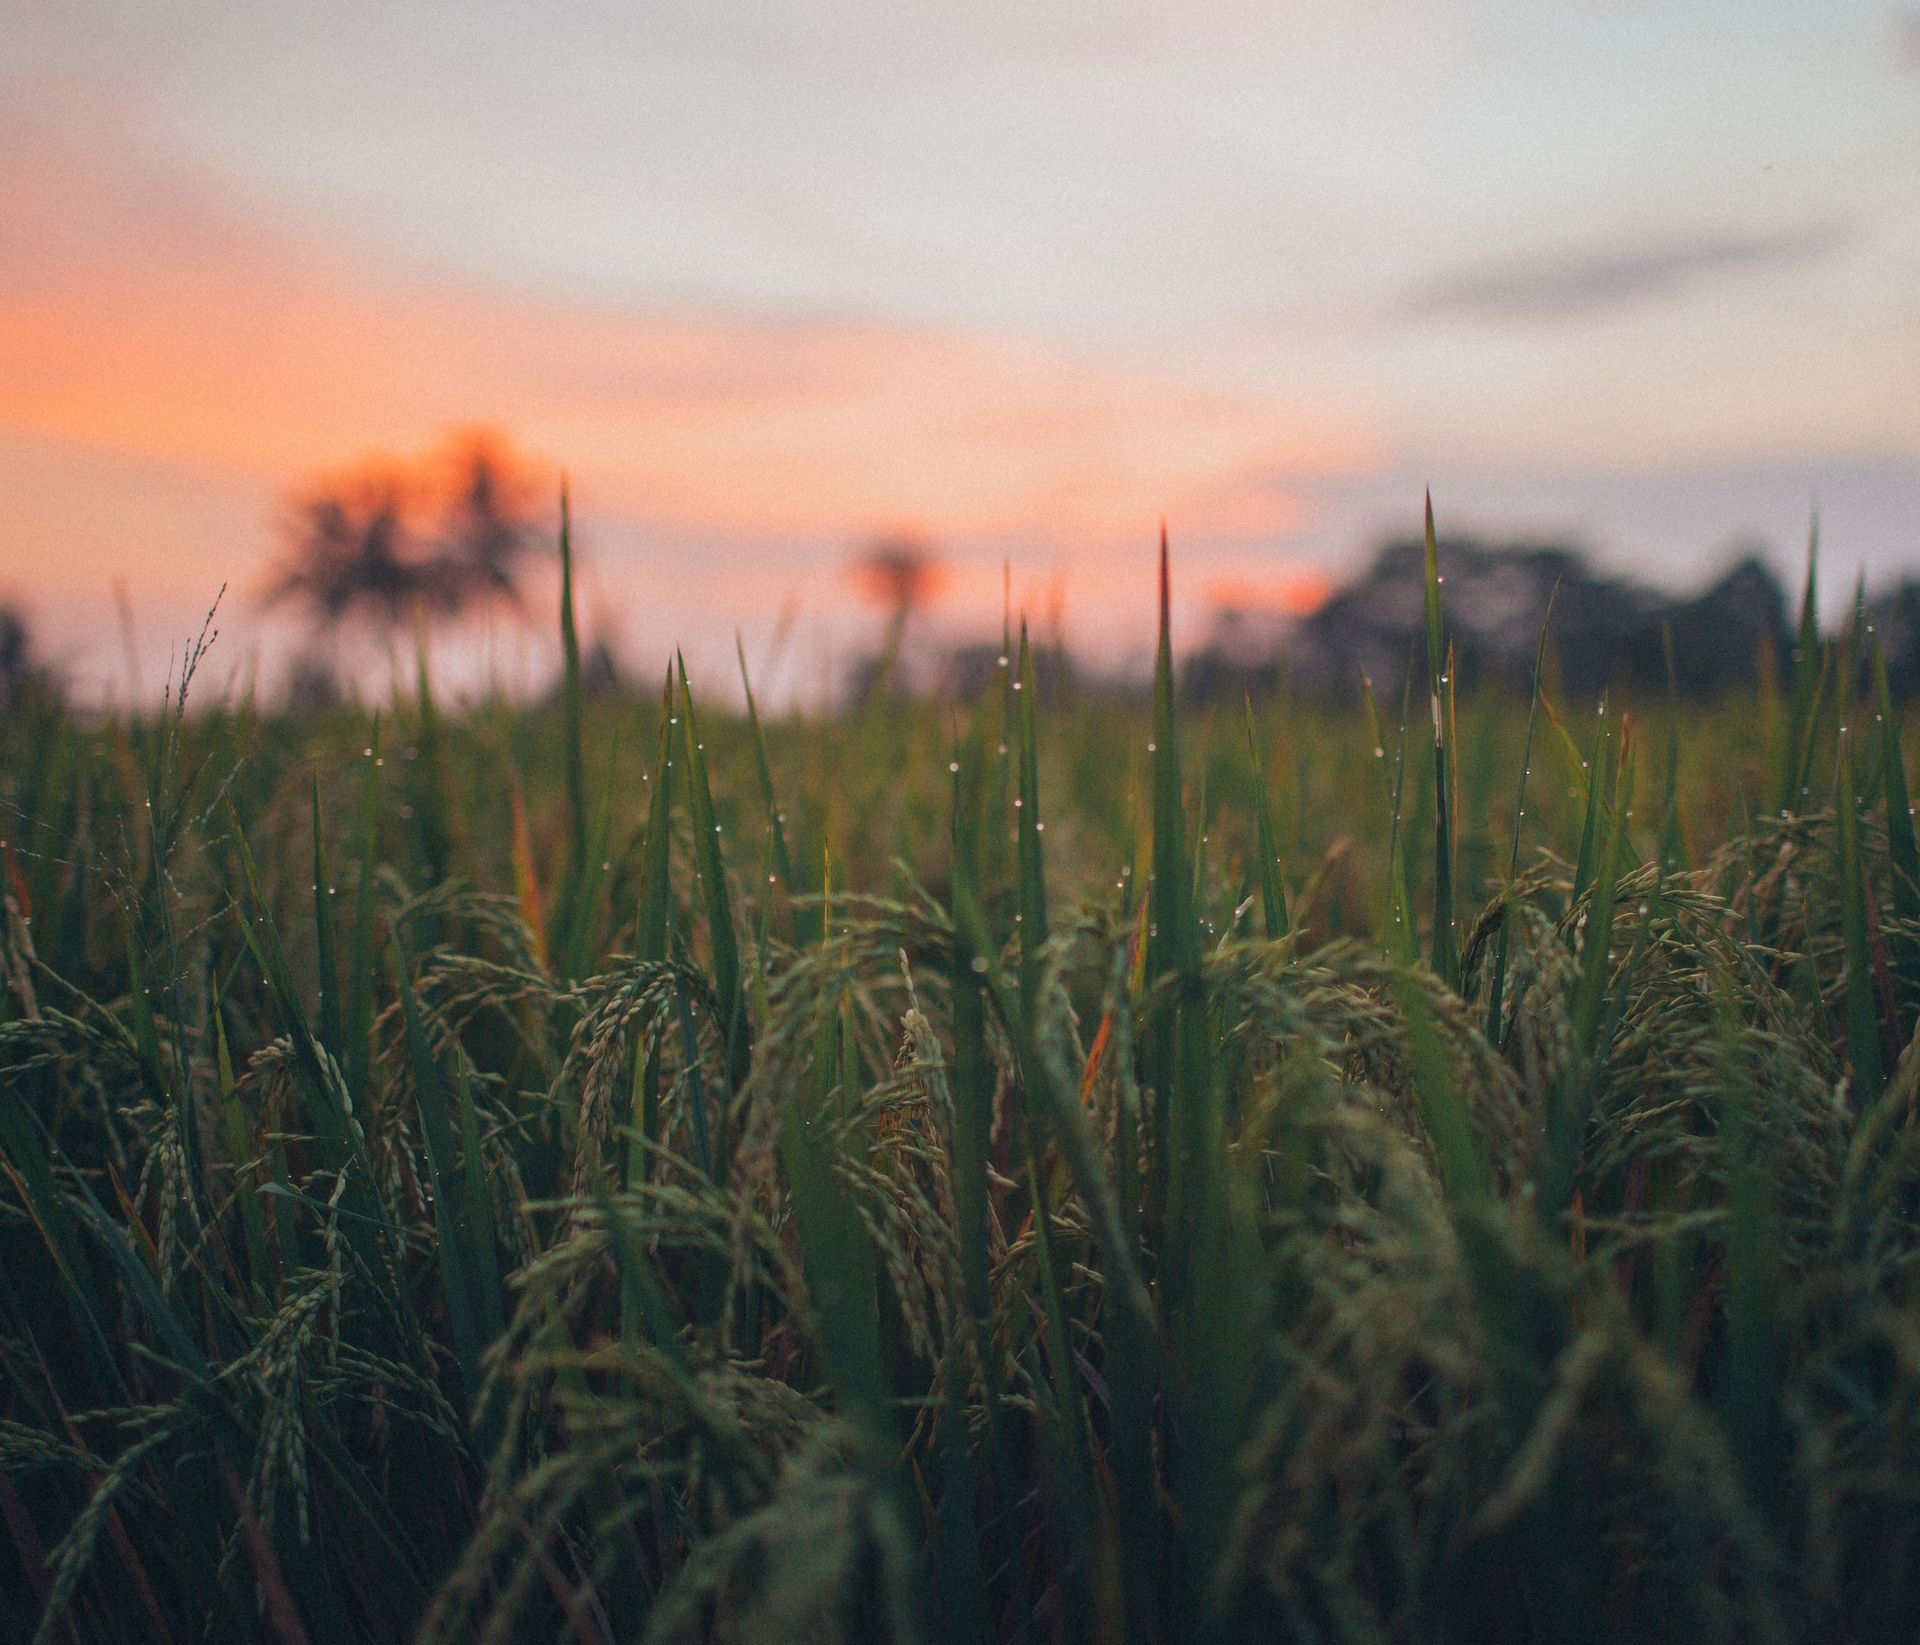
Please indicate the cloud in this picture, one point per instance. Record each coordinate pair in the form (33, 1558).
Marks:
(1906, 41)
(1576, 284)
(147, 317)
(174, 360)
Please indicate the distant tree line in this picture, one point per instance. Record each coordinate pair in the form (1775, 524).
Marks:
(380, 544)
(22, 674)
(1604, 631)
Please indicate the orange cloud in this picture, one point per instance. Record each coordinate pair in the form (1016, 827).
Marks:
(147, 320)
(1290, 591)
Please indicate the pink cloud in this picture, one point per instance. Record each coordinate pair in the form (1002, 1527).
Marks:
(171, 364)
(141, 317)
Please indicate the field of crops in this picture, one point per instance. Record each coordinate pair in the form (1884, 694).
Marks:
(1025, 1169)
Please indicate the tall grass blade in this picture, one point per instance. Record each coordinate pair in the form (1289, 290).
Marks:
(572, 697)
(359, 1019)
(723, 946)
(325, 942)
(803, 919)
(1863, 1022)
(1446, 949)
(1903, 855)
(1503, 944)
(1804, 693)
(457, 1234)
(1032, 874)
(432, 830)
(1273, 897)
(651, 933)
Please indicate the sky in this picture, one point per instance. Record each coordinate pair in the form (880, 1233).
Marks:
(1022, 279)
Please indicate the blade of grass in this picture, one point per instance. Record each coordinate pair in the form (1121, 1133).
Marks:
(802, 920)
(1600, 775)
(1446, 950)
(651, 936)
(325, 942)
(359, 1019)
(433, 833)
(1166, 893)
(1031, 872)
(1570, 1096)
(578, 949)
(1273, 898)
(722, 944)
(1496, 991)
(1903, 855)
(1863, 1027)
(456, 1235)
(1803, 698)
(572, 698)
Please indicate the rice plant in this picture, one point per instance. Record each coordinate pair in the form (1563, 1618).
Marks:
(1016, 1170)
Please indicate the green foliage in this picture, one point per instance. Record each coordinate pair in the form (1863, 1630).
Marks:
(976, 1248)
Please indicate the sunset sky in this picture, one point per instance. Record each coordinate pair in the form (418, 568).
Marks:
(1020, 277)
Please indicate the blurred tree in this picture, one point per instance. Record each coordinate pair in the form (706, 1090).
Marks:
(490, 520)
(898, 574)
(22, 675)
(381, 541)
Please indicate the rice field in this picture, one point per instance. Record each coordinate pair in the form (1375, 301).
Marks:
(1442, 1169)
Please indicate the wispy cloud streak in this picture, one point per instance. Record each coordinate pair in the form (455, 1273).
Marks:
(149, 319)
(1576, 284)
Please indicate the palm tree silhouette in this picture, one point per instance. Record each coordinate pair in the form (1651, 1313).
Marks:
(488, 529)
(381, 543)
